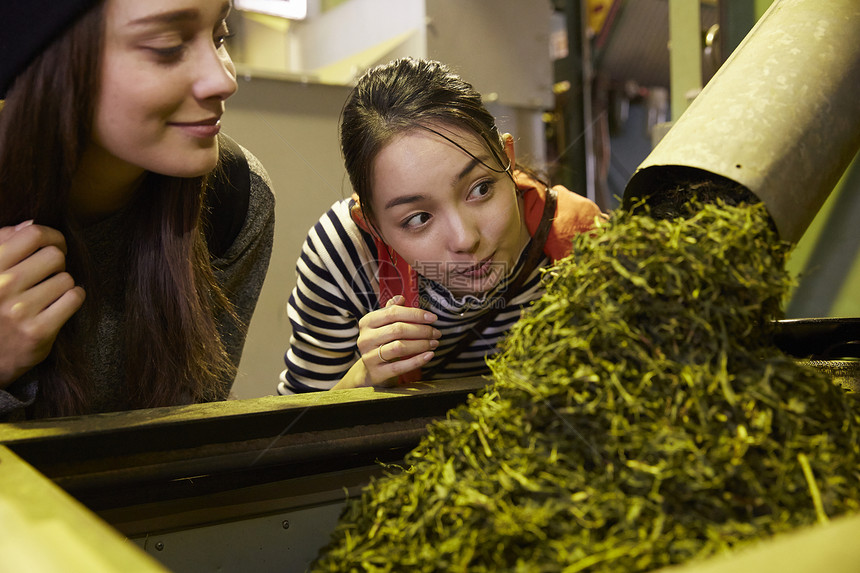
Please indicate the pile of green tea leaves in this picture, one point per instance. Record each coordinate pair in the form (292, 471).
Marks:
(639, 417)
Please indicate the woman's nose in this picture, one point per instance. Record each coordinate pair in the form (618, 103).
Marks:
(464, 235)
(216, 75)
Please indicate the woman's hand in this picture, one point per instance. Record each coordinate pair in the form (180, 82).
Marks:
(392, 340)
(37, 296)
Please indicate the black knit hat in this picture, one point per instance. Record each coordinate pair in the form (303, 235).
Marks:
(27, 27)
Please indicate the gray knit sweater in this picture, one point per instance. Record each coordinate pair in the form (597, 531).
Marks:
(240, 272)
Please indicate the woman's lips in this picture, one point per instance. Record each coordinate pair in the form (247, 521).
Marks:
(200, 129)
(481, 269)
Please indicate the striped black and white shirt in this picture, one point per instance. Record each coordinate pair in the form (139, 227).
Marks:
(337, 283)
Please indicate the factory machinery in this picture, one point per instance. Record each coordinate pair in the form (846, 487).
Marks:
(781, 118)
(259, 484)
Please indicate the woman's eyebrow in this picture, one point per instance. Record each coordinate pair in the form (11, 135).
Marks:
(466, 170)
(167, 18)
(403, 200)
(470, 166)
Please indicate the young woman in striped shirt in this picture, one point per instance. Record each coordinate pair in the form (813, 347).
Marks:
(422, 272)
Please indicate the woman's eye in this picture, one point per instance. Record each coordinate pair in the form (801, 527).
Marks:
(169, 54)
(222, 34)
(416, 221)
(482, 189)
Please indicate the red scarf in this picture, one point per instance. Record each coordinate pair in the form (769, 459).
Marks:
(574, 214)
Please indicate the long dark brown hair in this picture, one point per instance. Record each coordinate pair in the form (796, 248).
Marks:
(172, 347)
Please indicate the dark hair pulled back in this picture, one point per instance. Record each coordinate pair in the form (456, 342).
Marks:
(400, 96)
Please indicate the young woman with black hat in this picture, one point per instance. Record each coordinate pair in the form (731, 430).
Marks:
(129, 266)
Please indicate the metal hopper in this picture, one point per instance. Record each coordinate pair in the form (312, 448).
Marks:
(781, 117)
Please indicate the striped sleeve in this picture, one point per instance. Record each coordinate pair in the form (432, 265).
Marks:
(335, 287)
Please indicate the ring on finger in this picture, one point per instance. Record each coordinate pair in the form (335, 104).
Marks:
(379, 353)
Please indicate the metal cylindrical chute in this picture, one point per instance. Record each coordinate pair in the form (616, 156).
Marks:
(781, 117)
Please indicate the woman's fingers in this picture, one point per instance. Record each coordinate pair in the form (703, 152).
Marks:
(40, 265)
(30, 340)
(396, 339)
(396, 299)
(26, 239)
(398, 357)
(398, 323)
(398, 350)
(385, 373)
(393, 312)
(52, 302)
(395, 323)
(37, 296)
(404, 331)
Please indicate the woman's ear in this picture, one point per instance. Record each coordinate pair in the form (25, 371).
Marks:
(508, 142)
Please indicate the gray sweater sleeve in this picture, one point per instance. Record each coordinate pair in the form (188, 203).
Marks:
(13, 400)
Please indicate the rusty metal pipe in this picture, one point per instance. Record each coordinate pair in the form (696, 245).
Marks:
(780, 117)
